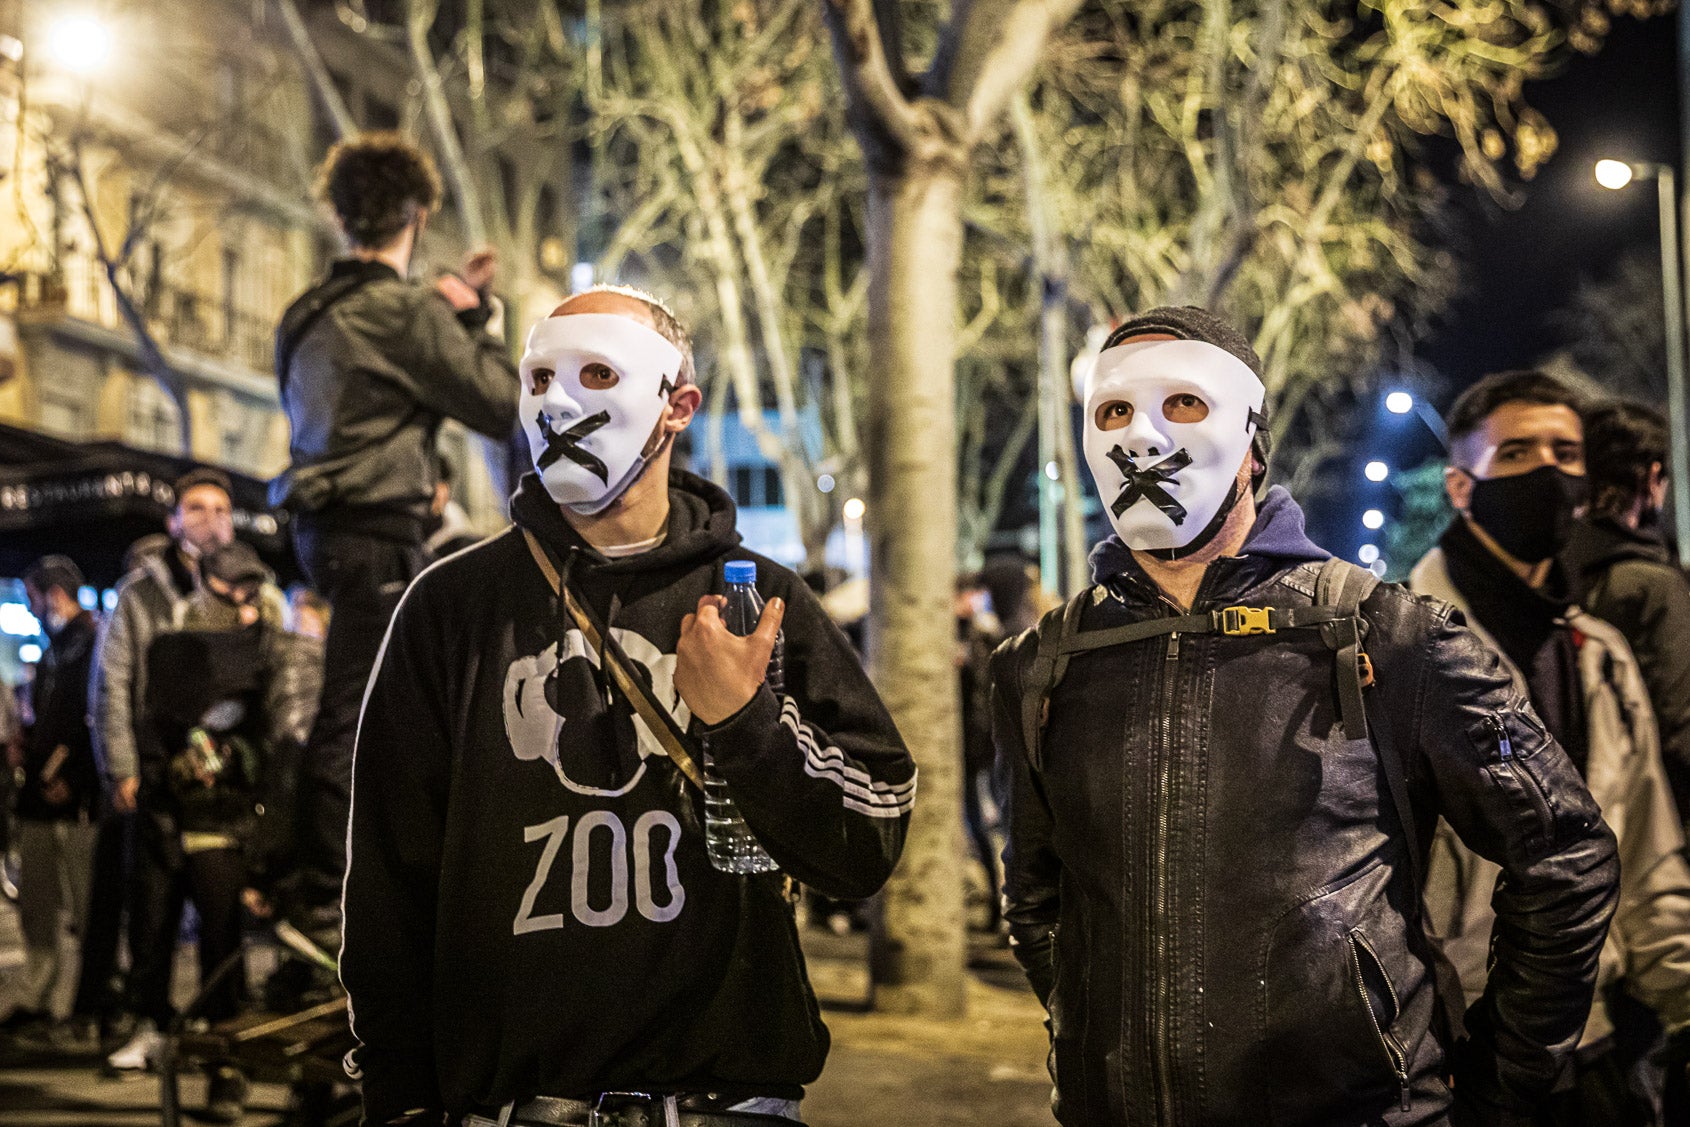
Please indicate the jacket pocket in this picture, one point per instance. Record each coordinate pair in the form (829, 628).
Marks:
(1509, 741)
(1379, 998)
(1344, 1002)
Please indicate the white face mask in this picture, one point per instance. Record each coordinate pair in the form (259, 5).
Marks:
(589, 425)
(1189, 411)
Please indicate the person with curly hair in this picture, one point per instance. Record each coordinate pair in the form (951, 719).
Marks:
(370, 364)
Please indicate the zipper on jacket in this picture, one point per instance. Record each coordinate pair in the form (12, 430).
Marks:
(1504, 745)
(1159, 977)
(1393, 1049)
(1528, 781)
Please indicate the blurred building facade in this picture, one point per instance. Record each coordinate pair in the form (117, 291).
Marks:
(173, 175)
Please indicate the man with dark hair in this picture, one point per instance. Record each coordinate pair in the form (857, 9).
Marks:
(1223, 759)
(1517, 480)
(370, 364)
(153, 599)
(541, 927)
(1629, 577)
(60, 795)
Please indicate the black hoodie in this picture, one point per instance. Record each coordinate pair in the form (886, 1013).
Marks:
(1630, 581)
(529, 909)
(61, 720)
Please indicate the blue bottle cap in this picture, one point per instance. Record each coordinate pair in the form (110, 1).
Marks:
(740, 571)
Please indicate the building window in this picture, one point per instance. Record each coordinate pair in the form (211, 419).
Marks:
(739, 484)
(64, 408)
(755, 487)
(152, 416)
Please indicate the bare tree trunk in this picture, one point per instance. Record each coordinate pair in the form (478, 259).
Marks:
(333, 104)
(419, 18)
(1059, 499)
(914, 250)
(917, 148)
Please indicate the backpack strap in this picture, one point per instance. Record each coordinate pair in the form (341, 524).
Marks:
(1050, 662)
(1341, 587)
(293, 329)
(1238, 621)
(1346, 587)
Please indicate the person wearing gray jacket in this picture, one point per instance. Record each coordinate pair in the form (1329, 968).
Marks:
(370, 365)
(152, 599)
(1518, 477)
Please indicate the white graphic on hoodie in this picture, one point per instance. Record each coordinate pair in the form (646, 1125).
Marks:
(556, 712)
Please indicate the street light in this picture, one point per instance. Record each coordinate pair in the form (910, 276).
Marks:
(1617, 174)
(1614, 174)
(1377, 470)
(856, 544)
(1373, 520)
(79, 42)
(1399, 403)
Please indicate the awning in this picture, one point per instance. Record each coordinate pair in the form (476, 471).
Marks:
(91, 501)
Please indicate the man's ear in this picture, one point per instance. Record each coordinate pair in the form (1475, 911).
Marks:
(684, 403)
(1458, 486)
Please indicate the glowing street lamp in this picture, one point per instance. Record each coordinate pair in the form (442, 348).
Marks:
(1399, 403)
(856, 543)
(79, 42)
(1373, 519)
(1613, 174)
(1377, 470)
(1616, 174)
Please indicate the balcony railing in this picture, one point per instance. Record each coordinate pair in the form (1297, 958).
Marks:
(177, 317)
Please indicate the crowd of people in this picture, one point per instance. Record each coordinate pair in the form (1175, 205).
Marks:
(1281, 842)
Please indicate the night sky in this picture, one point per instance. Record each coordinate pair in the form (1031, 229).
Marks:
(1521, 265)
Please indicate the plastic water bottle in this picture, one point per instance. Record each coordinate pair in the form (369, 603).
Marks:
(727, 839)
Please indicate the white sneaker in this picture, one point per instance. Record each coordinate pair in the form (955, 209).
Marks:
(139, 1052)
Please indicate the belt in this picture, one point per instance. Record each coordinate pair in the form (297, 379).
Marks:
(632, 1109)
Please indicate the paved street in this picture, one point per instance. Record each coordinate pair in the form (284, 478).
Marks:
(883, 1070)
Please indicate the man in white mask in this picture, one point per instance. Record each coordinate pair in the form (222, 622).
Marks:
(602, 395)
(1223, 759)
(533, 926)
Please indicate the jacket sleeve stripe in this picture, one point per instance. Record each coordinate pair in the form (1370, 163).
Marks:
(863, 794)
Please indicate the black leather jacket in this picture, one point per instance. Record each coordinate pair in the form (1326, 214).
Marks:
(1209, 886)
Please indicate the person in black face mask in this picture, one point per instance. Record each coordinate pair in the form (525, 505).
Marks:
(1518, 482)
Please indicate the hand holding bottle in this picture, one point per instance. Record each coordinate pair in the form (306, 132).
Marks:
(717, 672)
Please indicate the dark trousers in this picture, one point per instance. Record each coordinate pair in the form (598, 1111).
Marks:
(980, 836)
(165, 878)
(95, 993)
(362, 577)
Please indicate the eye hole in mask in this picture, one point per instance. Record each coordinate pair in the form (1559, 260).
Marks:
(1181, 408)
(541, 378)
(1185, 408)
(598, 377)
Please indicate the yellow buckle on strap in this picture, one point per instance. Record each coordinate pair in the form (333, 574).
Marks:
(1243, 621)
